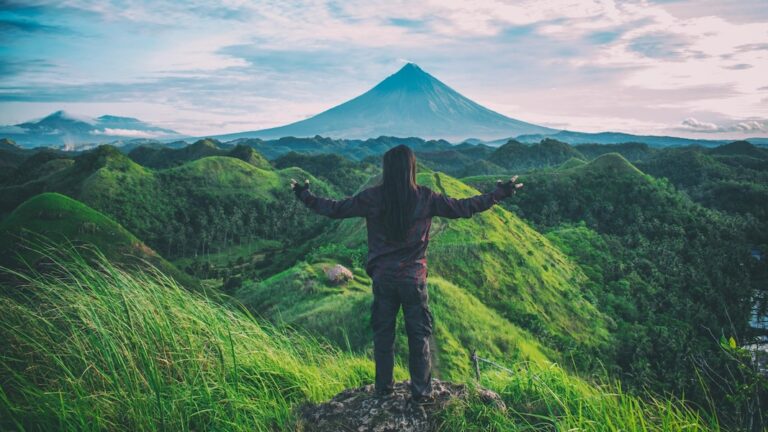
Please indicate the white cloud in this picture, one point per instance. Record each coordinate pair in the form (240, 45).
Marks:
(132, 133)
(657, 66)
(748, 126)
(699, 126)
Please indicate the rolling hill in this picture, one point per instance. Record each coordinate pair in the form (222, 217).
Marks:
(658, 262)
(192, 210)
(493, 264)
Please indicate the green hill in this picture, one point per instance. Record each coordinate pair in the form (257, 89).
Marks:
(731, 178)
(663, 265)
(303, 298)
(193, 211)
(345, 174)
(55, 219)
(515, 155)
(495, 258)
(743, 148)
(571, 163)
(631, 151)
(167, 157)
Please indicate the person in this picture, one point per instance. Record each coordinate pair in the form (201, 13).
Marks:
(398, 215)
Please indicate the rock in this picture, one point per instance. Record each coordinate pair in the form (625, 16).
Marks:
(338, 274)
(359, 409)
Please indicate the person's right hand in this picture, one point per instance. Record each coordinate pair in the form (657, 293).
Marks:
(508, 188)
(299, 188)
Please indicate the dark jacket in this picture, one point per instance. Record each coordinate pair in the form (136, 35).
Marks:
(405, 261)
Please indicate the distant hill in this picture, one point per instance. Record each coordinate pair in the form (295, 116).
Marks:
(572, 137)
(732, 178)
(62, 129)
(196, 209)
(549, 152)
(409, 103)
(166, 157)
(741, 148)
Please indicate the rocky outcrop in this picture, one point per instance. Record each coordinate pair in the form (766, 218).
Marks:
(338, 274)
(361, 410)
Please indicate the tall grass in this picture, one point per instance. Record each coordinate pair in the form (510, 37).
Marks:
(88, 346)
(549, 399)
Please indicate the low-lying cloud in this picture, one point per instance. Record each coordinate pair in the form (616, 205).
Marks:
(745, 126)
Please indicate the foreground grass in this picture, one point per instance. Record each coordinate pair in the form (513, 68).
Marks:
(95, 348)
(91, 347)
(549, 399)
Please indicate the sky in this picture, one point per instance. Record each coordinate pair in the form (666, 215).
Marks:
(694, 68)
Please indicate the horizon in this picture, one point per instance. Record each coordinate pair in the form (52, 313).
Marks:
(677, 68)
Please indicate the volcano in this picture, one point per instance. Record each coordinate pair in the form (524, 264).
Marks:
(409, 103)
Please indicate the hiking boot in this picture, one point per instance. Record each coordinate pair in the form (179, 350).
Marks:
(425, 400)
(383, 393)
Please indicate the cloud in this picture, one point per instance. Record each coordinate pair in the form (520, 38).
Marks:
(9, 67)
(660, 45)
(8, 26)
(637, 64)
(699, 126)
(754, 125)
(752, 47)
(132, 133)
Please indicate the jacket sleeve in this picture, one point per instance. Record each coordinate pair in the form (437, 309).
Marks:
(453, 208)
(355, 206)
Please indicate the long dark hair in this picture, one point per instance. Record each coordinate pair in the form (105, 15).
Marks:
(399, 190)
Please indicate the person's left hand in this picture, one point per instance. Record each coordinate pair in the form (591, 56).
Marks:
(508, 188)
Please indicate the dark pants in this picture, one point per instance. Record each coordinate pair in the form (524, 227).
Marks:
(387, 299)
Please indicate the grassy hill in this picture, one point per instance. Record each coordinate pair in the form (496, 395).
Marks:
(660, 265)
(731, 178)
(518, 156)
(345, 174)
(53, 220)
(100, 348)
(167, 157)
(202, 207)
(303, 298)
(494, 261)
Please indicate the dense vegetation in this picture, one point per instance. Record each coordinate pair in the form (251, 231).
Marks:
(203, 207)
(643, 275)
(95, 347)
(676, 277)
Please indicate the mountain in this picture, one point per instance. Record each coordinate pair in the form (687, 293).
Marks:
(63, 129)
(409, 103)
(573, 138)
